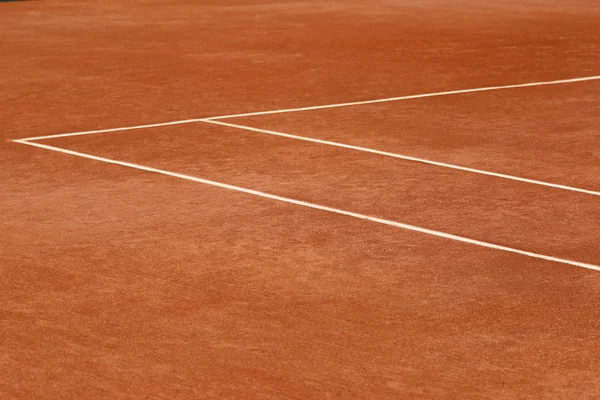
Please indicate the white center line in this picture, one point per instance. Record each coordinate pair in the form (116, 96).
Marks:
(317, 207)
(404, 157)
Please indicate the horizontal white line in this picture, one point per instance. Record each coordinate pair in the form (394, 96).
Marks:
(403, 157)
(318, 207)
(125, 128)
(415, 96)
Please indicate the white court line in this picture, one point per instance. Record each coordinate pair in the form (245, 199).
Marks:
(403, 157)
(317, 207)
(415, 96)
(125, 128)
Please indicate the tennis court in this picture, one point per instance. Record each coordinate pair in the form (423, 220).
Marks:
(337, 199)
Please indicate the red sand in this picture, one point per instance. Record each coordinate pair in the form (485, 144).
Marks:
(115, 283)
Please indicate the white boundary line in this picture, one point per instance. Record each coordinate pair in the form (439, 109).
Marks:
(288, 110)
(416, 96)
(403, 157)
(125, 128)
(317, 207)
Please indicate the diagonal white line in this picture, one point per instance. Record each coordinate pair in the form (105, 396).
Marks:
(415, 96)
(125, 128)
(404, 157)
(318, 207)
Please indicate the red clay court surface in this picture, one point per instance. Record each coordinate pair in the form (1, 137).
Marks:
(432, 245)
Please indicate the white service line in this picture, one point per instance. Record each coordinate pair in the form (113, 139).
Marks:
(317, 206)
(125, 128)
(403, 157)
(415, 96)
